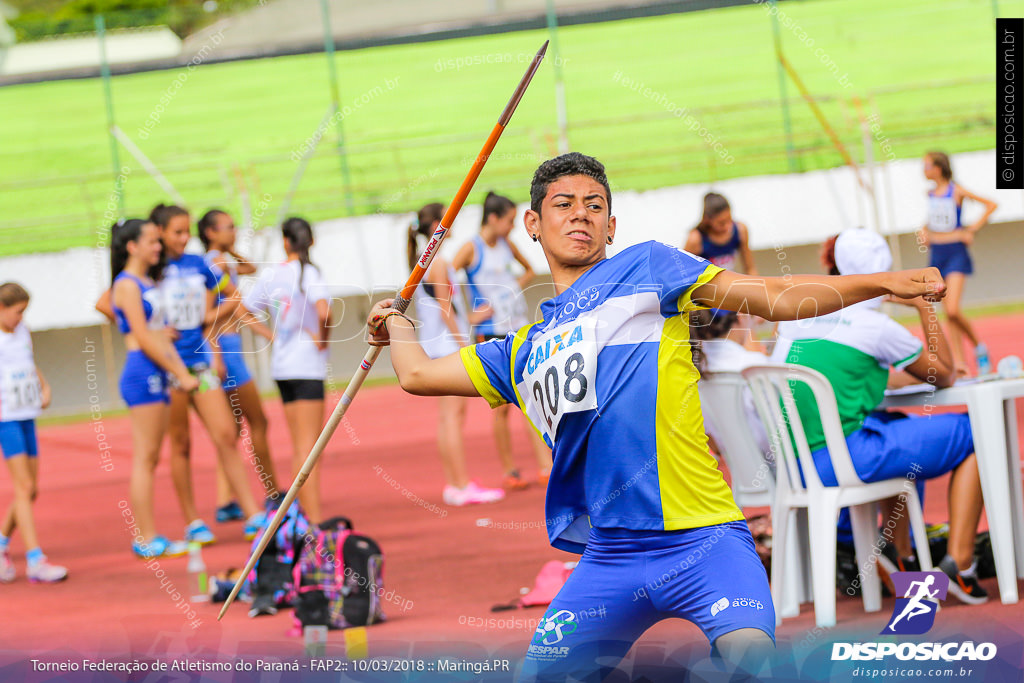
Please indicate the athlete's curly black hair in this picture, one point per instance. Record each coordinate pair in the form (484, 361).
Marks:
(572, 163)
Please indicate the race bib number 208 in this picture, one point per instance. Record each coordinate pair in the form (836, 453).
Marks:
(561, 374)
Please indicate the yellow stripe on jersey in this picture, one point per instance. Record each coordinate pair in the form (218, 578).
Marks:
(693, 491)
(685, 303)
(521, 335)
(478, 375)
(222, 283)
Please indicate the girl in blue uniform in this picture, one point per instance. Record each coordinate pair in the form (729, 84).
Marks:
(217, 232)
(720, 239)
(947, 239)
(190, 288)
(139, 311)
(607, 375)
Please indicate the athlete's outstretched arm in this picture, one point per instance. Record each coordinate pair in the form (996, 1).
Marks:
(807, 296)
(417, 372)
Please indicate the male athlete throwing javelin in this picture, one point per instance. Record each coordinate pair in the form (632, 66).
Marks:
(606, 376)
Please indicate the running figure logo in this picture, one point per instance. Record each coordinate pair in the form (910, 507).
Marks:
(914, 613)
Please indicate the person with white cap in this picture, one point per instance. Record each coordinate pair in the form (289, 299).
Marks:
(854, 348)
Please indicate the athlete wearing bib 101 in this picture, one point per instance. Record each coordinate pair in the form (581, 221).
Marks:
(236, 371)
(21, 398)
(944, 216)
(492, 282)
(607, 376)
(184, 285)
(435, 337)
(142, 380)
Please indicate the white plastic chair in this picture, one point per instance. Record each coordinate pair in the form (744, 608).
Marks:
(752, 474)
(721, 401)
(773, 397)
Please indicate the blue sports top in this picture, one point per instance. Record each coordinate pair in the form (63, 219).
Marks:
(943, 211)
(185, 282)
(152, 304)
(606, 376)
(722, 255)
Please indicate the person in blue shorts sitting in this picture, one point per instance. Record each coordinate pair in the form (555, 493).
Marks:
(854, 348)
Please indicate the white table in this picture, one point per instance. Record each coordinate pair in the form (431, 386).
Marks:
(992, 411)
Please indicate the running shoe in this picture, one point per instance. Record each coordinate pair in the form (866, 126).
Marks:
(160, 546)
(44, 572)
(472, 494)
(254, 524)
(889, 562)
(232, 512)
(983, 360)
(965, 588)
(7, 572)
(513, 482)
(198, 532)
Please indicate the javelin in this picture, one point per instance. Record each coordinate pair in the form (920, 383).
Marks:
(402, 300)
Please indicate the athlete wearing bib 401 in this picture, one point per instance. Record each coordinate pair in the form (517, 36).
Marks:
(142, 380)
(184, 285)
(607, 376)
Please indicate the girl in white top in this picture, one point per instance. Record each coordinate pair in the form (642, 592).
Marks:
(295, 298)
(24, 393)
(488, 261)
(444, 329)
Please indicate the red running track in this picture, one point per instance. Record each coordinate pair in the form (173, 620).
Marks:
(446, 570)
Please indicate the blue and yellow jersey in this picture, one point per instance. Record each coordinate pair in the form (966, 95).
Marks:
(607, 378)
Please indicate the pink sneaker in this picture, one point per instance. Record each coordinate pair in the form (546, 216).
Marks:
(44, 572)
(7, 572)
(471, 495)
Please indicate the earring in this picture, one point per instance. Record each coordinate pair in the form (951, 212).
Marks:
(533, 237)
(609, 239)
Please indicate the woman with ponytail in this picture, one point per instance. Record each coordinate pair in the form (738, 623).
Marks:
(295, 298)
(138, 308)
(948, 240)
(217, 233)
(719, 238)
(488, 261)
(443, 330)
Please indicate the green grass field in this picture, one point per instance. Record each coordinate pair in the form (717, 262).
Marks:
(927, 67)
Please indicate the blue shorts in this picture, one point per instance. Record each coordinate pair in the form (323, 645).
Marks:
(629, 580)
(142, 381)
(234, 361)
(18, 437)
(951, 258)
(890, 445)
